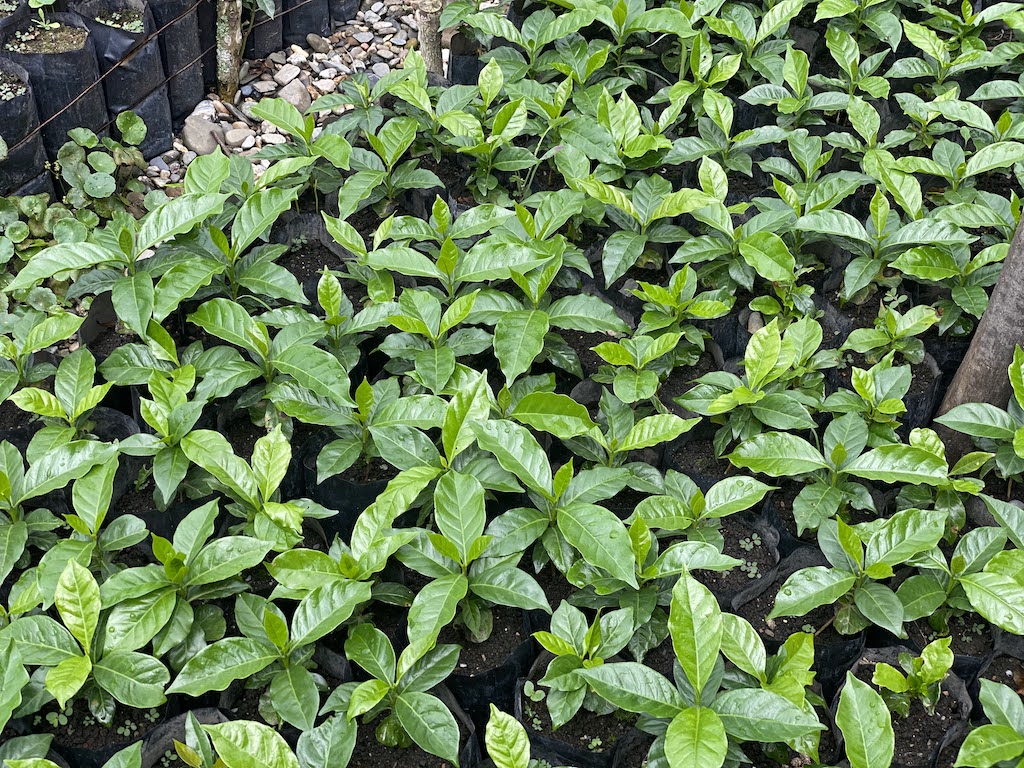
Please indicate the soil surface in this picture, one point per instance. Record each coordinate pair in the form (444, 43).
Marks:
(10, 86)
(507, 634)
(60, 39)
(370, 753)
(83, 731)
(919, 734)
(741, 542)
(971, 635)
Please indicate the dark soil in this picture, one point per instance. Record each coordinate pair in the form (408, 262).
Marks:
(662, 659)
(1006, 490)
(308, 260)
(918, 734)
(696, 458)
(83, 731)
(370, 753)
(10, 86)
(128, 19)
(108, 340)
(32, 39)
(12, 417)
(966, 639)
(242, 433)
(508, 633)
(1007, 671)
(586, 731)
(556, 587)
(583, 343)
(761, 555)
(756, 611)
(681, 380)
(370, 472)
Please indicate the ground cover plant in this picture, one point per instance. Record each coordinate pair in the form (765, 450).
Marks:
(581, 414)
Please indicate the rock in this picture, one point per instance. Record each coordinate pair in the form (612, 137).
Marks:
(298, 58)
(277, 57)
(370, 17)
(287, 74)
(363, 37)
(317, 43)
(243, 71)
(325, 86)
(264, 87)
(159, 163)
(246, 90)
(328, 74)
(274, 138)
(384, 27)
(385, 54)
(381, 69)
(377, 7)
(187, 157)
(205, 108)
(249, 143)
(236, 136)
(400, 39)
(295, 93)
(200, 135)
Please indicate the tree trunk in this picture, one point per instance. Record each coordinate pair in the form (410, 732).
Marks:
(229, 48)
(981, 377)
(428, 15)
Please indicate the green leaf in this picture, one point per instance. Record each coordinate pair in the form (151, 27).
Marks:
(216, 666)
(749, 714)
(78, 601)
(809, 588)
(621, 251)
(557, 414)
(518, 339)
(132, 678)
(990, 745)
(429, 723)
(600, 537)
(778, 454)
(634, 688)
(211, 451)
(325, 608)
(517, 452)
(225, 558)
(317, 370)
(866, 725)
(247, 744)
(434, 606)
(295, 697)
(880, 606)
(133, 298)
(134, 622)
(695, 624)
(58, 261)
(696, 739)
(654, 430)
(998, 154)
(506, 741)
(899, 464)
(998, 598)
(176, 217)
(459, 510)
(769, 255)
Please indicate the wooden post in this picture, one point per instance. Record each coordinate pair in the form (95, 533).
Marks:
(229, 48)
(428, 15)
(981, 377)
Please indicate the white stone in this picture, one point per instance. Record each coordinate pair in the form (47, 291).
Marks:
(286, 74)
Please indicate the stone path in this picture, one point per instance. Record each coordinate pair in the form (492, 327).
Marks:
(375, 42)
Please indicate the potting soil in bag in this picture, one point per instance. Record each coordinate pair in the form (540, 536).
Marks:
(301, 17)
(134, 70)
(12, 19)
(182, 53)
(64, 84)
(19, 124)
